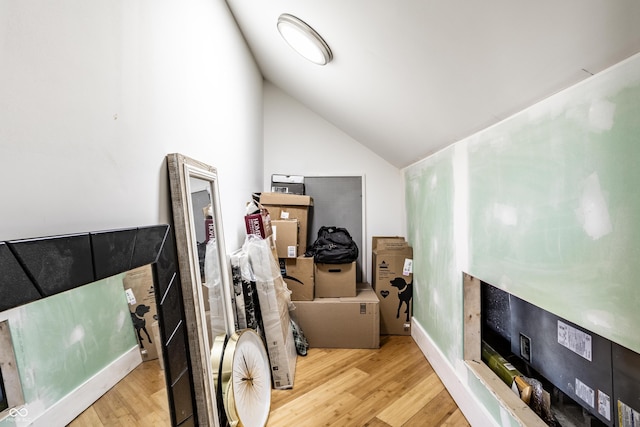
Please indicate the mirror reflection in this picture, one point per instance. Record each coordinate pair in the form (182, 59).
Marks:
(209, 257)
(147, 380)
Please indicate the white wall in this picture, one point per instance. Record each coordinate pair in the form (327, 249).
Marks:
(93, 95)
(299, 142)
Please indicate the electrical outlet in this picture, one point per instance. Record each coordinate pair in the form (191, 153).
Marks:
(525, 348)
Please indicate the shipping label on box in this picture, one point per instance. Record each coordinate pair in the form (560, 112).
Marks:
(285, 234)
(298, 273)
(393, 276)
(335, 280)
(138, 287)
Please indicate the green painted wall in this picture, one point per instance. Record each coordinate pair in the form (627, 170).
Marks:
(543, 205)
(64, 340)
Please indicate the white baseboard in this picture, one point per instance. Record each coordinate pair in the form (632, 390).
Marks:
(466, 401)
(73, 404)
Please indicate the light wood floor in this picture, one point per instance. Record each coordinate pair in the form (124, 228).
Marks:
(393, 386)
(140, 399)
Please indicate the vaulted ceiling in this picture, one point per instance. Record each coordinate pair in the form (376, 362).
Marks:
(411, 77)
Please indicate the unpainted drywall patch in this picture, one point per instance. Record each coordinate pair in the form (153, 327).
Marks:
(121, 321)
(593, 213)
(434, 249)
(600, 318)
(508, 215)
(77, 335)
(601, 114)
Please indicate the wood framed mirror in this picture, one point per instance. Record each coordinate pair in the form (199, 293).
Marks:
(206, 280)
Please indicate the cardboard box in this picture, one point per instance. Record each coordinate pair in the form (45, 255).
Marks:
(290, 206)
(298, 273)
(393, 278)
(138, 287)
(335, 280)
(285, 234)
(268, 199)
(385, 243)
(347, 322)
(387, 240)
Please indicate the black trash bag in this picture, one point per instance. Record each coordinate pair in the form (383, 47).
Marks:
(334, 245)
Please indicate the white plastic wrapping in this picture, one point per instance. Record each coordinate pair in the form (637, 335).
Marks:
(213, 281)
(275, 300)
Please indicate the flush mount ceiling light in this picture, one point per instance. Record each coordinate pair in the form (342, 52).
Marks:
(304, 39)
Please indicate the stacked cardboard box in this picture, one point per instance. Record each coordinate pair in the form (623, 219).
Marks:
(299, 276)
(335, 280)
(282, 206)
(329, 308)
(289, 215)
(392, 273)
(343, 322)
(285, 234)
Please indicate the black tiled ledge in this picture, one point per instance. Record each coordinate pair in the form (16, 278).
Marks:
(31, 269)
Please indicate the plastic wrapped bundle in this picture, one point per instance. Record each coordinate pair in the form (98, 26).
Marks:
(238, 284)
(214, 283)
(275, 300)
(247, 304)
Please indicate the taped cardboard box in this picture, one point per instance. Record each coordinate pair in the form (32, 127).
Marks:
(393, 284)
(386, 242)
(290, 206)
(299, 276)
(347, 322)
(285, 234)
(335, 280)
(138, 287)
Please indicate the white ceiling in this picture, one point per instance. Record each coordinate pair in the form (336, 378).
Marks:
(411, 77)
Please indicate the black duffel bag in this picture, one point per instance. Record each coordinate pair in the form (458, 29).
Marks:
(334, 245)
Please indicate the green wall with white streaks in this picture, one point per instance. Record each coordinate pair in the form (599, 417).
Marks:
(543, 205)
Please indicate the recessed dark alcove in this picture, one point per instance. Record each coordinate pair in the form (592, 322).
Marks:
(587, 379)
(37, 268)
